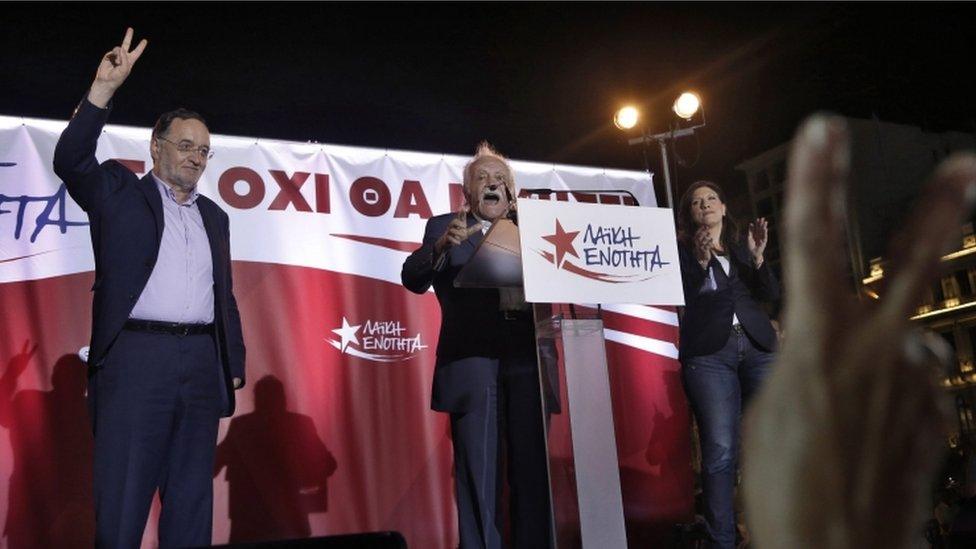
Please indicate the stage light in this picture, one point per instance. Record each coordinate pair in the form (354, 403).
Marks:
(626, 118)
(686, 105)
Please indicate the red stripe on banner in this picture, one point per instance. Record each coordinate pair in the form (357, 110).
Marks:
(10, 259)
(641, 327)
(329, 437)
(399, 245)
(652, 424)
(635, 325)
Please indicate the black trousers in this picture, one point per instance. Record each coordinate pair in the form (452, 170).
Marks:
(504, 425)
(155, 405)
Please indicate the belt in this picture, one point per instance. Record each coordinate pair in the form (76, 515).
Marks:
(171, 328)
(516, 315)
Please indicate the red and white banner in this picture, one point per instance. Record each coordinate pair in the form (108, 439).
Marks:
(333, 433)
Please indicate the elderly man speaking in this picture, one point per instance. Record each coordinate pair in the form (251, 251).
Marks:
(486, 375)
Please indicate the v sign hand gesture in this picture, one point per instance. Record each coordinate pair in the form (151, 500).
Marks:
(114, 69)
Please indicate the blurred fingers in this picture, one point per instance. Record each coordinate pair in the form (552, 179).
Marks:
(813, 224)
(935, 221)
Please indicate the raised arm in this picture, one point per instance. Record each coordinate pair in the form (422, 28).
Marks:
(74, 156)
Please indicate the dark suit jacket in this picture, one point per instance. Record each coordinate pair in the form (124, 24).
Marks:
(126, 215)
(707, 320)
(471, 329)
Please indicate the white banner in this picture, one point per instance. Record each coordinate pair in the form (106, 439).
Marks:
(342, 209)
(598, 253)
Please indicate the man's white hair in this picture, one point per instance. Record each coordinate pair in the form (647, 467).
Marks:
(485, 150)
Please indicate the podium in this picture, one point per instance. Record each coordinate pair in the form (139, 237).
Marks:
(584, 479)
(584, 474)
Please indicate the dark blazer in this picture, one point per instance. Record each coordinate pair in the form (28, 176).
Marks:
(126, 216)
(471, 328)
(707, 320)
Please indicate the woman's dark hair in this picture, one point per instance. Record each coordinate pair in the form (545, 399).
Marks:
(686, 223)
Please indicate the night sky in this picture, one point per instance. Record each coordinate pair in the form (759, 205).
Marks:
(540, 81)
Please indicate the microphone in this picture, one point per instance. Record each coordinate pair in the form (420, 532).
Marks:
(440, 262)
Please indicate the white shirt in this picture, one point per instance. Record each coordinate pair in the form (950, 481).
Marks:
(724, 262)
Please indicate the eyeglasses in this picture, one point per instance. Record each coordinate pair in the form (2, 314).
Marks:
(187, 148)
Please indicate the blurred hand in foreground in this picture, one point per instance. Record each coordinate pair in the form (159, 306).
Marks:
(841, 444)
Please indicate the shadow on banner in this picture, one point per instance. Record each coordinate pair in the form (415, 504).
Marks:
(277, 469)
(49, 503)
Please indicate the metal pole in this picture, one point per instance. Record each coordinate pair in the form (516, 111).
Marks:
(667, 170)
(662, 139)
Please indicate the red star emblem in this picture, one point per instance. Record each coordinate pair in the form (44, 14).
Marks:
(563, 241)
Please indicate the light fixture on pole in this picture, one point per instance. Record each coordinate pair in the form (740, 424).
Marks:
(686, 107)
(626, 118)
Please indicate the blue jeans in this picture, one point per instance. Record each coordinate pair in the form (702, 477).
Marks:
(719, 386)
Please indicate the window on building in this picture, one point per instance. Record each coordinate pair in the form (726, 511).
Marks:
(952, 367)
(950, 287)
(963, 283)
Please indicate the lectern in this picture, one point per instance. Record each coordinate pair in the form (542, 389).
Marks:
(584, 479)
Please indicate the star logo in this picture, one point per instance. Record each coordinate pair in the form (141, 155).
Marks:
(347, 333)
(384, 340)
(563, 241)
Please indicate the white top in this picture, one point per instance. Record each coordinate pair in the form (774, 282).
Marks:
(724, 262)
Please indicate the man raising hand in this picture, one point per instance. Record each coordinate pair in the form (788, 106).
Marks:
(166, 348)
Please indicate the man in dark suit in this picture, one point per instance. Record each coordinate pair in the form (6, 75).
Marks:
(486, 374)
(167, 349)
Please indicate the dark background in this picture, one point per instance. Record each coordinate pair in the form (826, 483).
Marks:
(540, 81)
